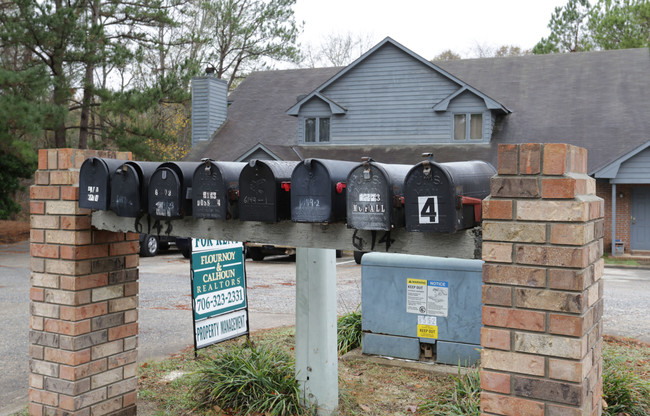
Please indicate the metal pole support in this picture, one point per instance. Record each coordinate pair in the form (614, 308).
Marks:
(316, 346)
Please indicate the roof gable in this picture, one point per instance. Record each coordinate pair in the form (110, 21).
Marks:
(611, 170)
(259, 151)
(489, 103)
(463, 86)
(334, 107)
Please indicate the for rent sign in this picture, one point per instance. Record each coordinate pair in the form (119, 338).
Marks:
(218, 291)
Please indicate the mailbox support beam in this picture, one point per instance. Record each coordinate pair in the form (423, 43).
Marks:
(316, 345)
(464, 244)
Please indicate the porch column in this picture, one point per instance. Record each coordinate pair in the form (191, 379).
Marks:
(543, 292)
(613, 219)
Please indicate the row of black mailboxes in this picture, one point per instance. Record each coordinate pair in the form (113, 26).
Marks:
(430, 196)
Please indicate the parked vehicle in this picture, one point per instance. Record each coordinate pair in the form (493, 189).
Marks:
(358, 255)
(184, 245)
(257, 251)
(151, 244)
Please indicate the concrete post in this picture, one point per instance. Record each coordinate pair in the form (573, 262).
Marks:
(543, 293)
(84, 293)
(316, 346)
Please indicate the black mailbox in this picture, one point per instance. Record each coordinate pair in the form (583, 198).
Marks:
(215, 190)
(446, 197)
(95, 182)
(170, 190)
(264, 187)
(318, 190)
(129, 184)
(374, 200)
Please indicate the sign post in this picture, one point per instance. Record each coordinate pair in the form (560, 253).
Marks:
(219, 301)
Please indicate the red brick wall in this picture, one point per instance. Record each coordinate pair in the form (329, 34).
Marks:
(542, 291)
(84, 293)
(623, 212)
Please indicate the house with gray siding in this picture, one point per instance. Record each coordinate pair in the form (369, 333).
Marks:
(393, 105)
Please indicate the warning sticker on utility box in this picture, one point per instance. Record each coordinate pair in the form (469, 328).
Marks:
(427, 331)
(416, 296)
(428, 297)
(437, 298)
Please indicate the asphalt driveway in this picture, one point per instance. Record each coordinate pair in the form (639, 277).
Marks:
(166, 320)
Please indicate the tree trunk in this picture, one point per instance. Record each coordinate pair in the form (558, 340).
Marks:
(60, 98)
(85, 106)
(60, 91)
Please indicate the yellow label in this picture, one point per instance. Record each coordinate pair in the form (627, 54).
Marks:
(416, 282)
(427, 331)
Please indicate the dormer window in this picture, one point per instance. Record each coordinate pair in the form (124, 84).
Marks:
(317, 129)
(468, 127)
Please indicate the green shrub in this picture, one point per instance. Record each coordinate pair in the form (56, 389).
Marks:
(348, 332)
(249, 379)
(624, 392)
(464, 399)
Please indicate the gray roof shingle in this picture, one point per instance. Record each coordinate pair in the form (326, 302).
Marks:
(597, 100)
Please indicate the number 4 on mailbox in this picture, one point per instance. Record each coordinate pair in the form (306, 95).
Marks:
(428, 206)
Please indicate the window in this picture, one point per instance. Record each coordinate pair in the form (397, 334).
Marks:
(468, 131)
(317, 128)
(459, 126)
(324, 130)
(310, 130)
(476, 127)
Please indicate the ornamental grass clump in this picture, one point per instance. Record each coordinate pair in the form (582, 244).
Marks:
(249, 379)
(624, 392)
(464, 399)
(348, 332)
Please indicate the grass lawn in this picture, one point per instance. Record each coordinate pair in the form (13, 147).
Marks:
(365, 387)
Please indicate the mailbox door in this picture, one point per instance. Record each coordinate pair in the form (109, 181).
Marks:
(129, 184)
(374, 192)
(170, 196)
(369, 198)
(166, 193)
(430, 204)
(261, 197)
(126, 188)
(311, 193)
(258, 194)
(314, 193)
(215, 190)
(209, 194)
(94, 182)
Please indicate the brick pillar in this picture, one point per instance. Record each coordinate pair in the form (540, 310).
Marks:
(84, 298)
(542, 291)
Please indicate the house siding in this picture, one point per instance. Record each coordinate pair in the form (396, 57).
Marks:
(313, 108)
(209, 107)
(635, 170)
(467, 103)
(390, 99)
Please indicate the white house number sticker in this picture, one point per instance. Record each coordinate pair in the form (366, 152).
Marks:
(428, 208)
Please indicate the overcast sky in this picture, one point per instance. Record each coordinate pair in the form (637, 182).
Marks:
(428, 27)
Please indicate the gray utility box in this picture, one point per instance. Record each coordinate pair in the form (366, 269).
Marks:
(419, 307)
